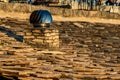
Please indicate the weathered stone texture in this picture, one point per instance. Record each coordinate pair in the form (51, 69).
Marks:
(46, 37)
(87, 51)
(108, 12)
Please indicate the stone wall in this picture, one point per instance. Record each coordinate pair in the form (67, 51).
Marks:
(93, 14)
(48, 38)
(26, 8)
(111, 9)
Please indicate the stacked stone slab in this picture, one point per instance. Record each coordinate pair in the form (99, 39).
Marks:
(42, 37)
(91, 52)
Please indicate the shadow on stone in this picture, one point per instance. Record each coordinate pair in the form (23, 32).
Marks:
(11, 34)
(8, 78)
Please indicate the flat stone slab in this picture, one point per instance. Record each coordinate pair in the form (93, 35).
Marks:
(50, 52)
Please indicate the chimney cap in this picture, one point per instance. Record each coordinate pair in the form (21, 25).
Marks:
(41, 18)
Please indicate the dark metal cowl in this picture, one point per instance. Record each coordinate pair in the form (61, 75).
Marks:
(41, 18)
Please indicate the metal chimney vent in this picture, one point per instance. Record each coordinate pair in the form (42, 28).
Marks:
(41, 18)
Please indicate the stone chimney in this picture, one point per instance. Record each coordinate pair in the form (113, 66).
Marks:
(42, 35)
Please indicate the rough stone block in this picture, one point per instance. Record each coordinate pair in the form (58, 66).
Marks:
(28, 37)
